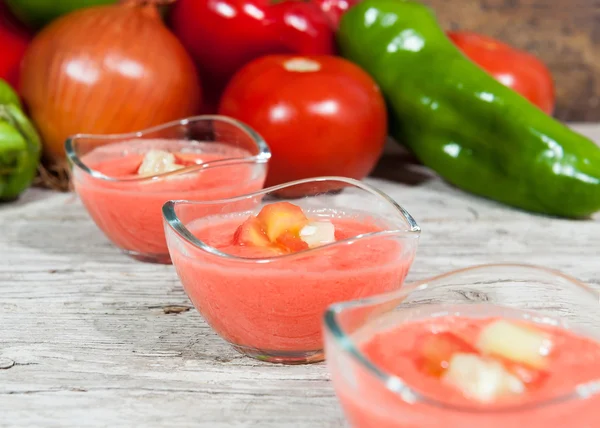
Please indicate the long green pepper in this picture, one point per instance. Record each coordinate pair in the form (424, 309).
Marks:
(458, 120)
(20, 146)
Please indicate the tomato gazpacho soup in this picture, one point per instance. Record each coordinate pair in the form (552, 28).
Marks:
(276, 272)
(139, 176)
(475, 372)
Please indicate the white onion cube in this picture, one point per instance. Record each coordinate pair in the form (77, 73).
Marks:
(481, 379)
(520, 344)
(158, 162)
(318, 233)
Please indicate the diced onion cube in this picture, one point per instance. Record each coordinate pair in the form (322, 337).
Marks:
(516, 343)
(481, 379)
(318, 233)
(158, 162)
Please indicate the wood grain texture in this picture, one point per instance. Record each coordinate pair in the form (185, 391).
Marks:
(90, 338)
(565, 34)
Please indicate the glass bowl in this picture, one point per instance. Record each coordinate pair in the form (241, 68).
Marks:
(373, 396)
(224, 158)
(271, 308)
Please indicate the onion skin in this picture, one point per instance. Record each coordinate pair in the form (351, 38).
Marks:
(106, 69)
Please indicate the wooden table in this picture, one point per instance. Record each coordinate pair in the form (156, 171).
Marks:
(89, 337)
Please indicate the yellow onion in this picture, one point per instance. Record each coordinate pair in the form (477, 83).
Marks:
(106, 69)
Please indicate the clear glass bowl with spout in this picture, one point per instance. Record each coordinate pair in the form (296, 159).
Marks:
(222, 157)
(375, 371)
(270, 308)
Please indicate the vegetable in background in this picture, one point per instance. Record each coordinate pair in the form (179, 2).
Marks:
(514, 68)
(106, 69)
(19, 146)
(334, 9)
(14, 40)
(37, 13)
(321, 115)
(458, 120)
(223, 35)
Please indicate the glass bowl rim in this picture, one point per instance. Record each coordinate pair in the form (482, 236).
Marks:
(262, 156)
(176, 225)
(397, 386)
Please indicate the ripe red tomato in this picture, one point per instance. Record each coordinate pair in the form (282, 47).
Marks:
(320, 115)
(223, 35)
(515, 68)
(14, 40)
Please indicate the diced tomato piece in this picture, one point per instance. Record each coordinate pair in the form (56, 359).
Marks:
(530, 376)
(251, 232)
(292, 242)
(186, 159)
(282, 217)
(436, 351)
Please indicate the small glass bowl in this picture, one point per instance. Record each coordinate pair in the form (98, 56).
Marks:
(231, 159)
(373, 397)
(271, 308)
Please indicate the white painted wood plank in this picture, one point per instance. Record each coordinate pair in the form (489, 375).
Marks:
(93, 347)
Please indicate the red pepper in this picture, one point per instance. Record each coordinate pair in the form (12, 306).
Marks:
(515, 68)
(224, 35)
(14, 40)
(334, 9)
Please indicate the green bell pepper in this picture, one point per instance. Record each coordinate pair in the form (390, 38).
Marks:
(459, 121)
(38, 13)
(20, 146)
